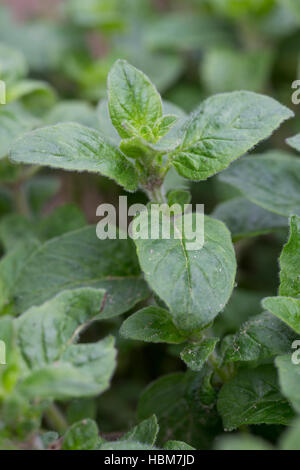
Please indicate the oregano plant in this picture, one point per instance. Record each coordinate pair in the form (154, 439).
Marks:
(205, 349)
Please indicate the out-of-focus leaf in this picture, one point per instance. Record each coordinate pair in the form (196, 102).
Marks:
(270, 180)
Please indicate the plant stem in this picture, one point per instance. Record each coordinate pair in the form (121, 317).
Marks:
(57, 420)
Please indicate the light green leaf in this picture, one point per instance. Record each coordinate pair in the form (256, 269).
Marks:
(222, 129)
(79, 259)
(125, 445)
(134, 103)
(177, 445)
(72, 146)
(230, 69)
(185, 31)
(242, 442)
(152, 324)
(289, 379)
(294, 142)
(293, 6)
(290, 262)
(290, 440)
(253, 397)
(245, 219)
(195, 355)
(195, 284)
(179, 197)
(262, 337)
(270, 180)
(81, 436)
(285, 308)
(14, 121)
(145, 432)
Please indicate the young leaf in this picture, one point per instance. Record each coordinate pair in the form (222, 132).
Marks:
(195, 355)
(253, 397)
(14, 121)
(294, 142)
(72, 111)
(177, 445)
(262, 337)
(145, 432)
(134, 103)
(290, 262)
(78, 259)
(270, 180)
(285, 308)
(152, 324)
(195, 284)
(72, 146)
(81, 436)
(125, 445)
(222, 129)
(245, 219)
(289, 379)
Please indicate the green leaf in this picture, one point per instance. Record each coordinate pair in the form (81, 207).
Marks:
(195, 284)
(36, 94)
(185, 407)
(81, 436)
(163, 125)
(253, 397)
(290, 439)
(270, 180)
(289, 379)
(12, 63)
(290, 262)
(145, 432)
(242, 442)
(285, 308)
(179, 197)
(222, 129)
(262, 337)
(14, 121)
(177, 445)
(125, 445)
(54, 367)
(195, 355)
(227, 69)
(72, 110)
(293, 6)
(72, 146)
(134, 102)
(78, 259)
(152, 324)
(294, 142)
(245, 219)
